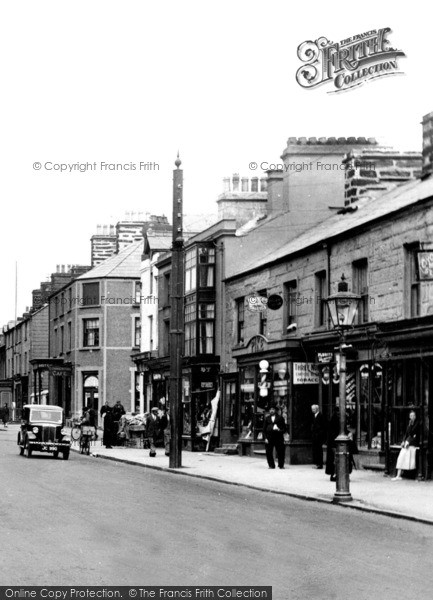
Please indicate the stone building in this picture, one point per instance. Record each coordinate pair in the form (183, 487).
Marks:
(376, 244)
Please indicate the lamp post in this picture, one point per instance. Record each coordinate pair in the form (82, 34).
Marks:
(342, 308)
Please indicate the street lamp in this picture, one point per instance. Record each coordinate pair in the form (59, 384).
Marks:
(342, 308)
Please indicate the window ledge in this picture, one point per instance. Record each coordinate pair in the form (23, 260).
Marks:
(89, 348)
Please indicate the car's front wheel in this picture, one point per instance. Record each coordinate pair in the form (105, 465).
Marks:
(27, 449)
(56, 454)
(20, 445)
(66, 454)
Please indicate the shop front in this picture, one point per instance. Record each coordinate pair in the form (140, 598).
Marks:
(199, 388)
(270, 373)
(389, 368)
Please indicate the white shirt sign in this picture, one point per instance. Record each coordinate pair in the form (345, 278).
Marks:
(304, 373)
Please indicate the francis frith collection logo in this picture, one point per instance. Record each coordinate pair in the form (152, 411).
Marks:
(348, 63)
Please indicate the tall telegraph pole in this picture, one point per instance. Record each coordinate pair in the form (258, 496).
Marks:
(176, 320)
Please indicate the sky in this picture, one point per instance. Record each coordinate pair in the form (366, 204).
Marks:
(130, 82)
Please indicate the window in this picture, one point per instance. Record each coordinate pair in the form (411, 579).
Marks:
(360, 286)
(151, 281)
(56, 342)
(263, 317)
(413, 302)
(206, 328)
(62, 339)
(190, 270)
(240, 317)
(137, 332)
(62, 303)
(321, 293)
(190, 330)
(150, 332)
(137, 292)
(206, 259)
(166, 338)
(166, 295)
(290, 298)
(70, 299)
(90, 332)
(26, 330)
(90, 294)
(69, 336)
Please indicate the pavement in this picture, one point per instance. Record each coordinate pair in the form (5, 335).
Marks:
(371, 491)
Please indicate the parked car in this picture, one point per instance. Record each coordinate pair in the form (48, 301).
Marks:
(42, 430)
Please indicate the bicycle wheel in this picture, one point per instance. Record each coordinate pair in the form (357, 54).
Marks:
(75, 433)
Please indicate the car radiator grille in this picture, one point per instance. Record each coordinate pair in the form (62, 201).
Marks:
(48, 434)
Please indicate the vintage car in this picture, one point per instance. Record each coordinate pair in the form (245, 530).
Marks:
(42, 430)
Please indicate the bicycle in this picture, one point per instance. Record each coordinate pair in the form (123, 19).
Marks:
(87, 435)
(76, 431)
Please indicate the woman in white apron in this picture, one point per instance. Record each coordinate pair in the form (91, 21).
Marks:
(407, 456)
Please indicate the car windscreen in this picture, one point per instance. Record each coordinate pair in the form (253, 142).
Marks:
(46, 416)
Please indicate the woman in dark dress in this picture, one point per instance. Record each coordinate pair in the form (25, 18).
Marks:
(109, 427)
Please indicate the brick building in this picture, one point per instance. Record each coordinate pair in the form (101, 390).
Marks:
(93, 324)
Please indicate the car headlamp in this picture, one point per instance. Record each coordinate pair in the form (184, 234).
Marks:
(35, 430)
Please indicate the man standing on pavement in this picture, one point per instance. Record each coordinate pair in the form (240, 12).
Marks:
(317, 436)
(5, 415)
(273, 434)
(164, 423)
(152, 428)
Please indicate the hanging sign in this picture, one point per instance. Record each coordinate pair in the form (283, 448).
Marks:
(425, 265)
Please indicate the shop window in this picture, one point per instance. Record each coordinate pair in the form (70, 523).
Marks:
(247, 396)
(280, 387)
(360, 287)
(90, 294)
(230, 405)
(240, 320)
(206, 259)
(190, 270)
(186, 400)
(263, 315)
(321, 293)
(290, 306)
(90, 333)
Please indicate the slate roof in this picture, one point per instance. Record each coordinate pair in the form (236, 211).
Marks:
(126, 264)
(270, 240)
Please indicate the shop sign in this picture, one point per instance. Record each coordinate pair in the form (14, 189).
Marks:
(324, 357)
(60, 372)
(257, 343)
(305, 373)
(425, 265)
(206, 385)
(156, 376)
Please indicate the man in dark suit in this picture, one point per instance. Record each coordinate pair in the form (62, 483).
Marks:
(152, 429)
(318, 429)
(273, 434)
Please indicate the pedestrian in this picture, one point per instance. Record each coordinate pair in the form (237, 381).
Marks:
(152, 430)
(104, 409)
(5, 415)
(273, 433)
(165, 425)
(332, 433)
(318, 431)
(110, 427)
(118, 411)
(406, 460)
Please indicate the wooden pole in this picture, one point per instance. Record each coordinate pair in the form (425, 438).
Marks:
(176, 321)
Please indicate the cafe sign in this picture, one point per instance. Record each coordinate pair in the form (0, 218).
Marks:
(305, 373)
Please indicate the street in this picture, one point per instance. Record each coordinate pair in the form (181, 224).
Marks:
(89, 521)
